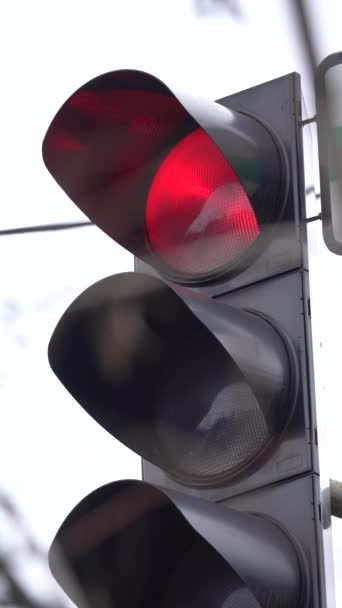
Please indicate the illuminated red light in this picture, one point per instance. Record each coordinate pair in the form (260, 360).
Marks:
(198, 216)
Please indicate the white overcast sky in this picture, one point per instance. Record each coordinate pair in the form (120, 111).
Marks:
(51, 453)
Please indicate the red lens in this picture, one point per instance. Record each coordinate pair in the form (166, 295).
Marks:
(198, 216)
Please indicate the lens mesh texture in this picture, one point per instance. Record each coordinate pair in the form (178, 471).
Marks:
(207, 420)
(198, 216)
(203, 578)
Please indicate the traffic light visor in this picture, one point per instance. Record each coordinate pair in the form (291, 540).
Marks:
(196, 387)
(132, 545)
(187, 185)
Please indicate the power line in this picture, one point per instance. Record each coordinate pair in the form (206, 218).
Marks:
(44, 228)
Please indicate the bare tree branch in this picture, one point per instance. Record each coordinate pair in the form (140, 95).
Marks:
(232, 7)
(14, 592)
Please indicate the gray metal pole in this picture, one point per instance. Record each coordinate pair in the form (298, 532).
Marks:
(336, 498)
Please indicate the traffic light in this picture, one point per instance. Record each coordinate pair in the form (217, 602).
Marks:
(329, 137)
(200, 361)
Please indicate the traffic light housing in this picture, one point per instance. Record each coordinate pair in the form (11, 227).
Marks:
(200, 361)
(154, 171)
